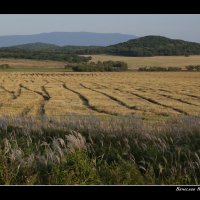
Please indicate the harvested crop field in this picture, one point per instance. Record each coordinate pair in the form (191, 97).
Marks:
(29, 63)
(161, 61)
(149, 95)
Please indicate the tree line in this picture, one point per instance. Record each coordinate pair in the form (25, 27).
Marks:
(100, 66)
(42, 55)
(160, 69)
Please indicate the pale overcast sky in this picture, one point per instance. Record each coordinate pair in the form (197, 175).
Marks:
(186, 27)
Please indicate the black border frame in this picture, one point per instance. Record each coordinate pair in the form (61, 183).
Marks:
(96, 7)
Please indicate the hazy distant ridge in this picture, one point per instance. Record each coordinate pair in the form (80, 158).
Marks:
(67, 38)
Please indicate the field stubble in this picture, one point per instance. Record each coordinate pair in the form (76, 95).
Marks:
(148, 95)
(161, 61)
(87, 128)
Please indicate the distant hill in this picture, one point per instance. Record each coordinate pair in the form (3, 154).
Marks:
(153, 46)
(39, 46)
(35, 46)
(67, 38)
(43, 51)
(144, 46)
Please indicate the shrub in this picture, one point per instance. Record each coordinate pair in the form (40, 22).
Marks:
(159, 69)
(4, 66)
(193, 68)
(174, 69)
(190, 67)
(142, 69)
(197, 67)
(101, 66)
(92, 150)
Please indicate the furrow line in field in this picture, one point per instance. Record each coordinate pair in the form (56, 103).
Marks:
(158, 103)
(177, 99)
(43, 102)
(86, 102)
(189, 95)
(97, 84)
(18, 93)
(25, 111)
(163, 90)
(154, 102)
(112, 98)
(42, 108)
(171, 97)
(45, 92)
(10, 92)
(44, 96)
(157, 113)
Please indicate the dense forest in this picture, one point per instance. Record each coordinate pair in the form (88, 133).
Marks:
(146, 46)
(154, 46)
(41, 51)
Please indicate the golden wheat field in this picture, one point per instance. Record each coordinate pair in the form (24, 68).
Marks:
(29, 63)
(149, 95)
(162, 61)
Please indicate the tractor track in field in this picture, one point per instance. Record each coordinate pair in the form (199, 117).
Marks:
(14, 94)
(158, 103)
(189, 95)
(139, 109)
(44, 94)
(86, 102)
(154, 101)
(178, 99)
(118, 101)
(25, 111)
(169, 96)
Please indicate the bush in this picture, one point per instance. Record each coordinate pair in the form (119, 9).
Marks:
(4, 66)
(187, 55)
(197, 67)
(193, 68)
(142, 69)
(69, 66)
(190, 68)
(101, 66)
(159, 69)
(174, 69)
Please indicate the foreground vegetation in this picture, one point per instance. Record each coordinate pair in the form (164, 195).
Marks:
(90, 150)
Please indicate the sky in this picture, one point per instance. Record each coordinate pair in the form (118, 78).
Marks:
(179, 26)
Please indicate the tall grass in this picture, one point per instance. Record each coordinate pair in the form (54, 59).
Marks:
(90, 150)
